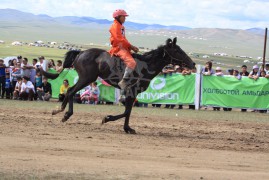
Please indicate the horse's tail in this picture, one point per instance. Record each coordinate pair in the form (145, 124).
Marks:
(49, 75)
(70, 57)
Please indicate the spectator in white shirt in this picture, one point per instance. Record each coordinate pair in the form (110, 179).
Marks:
(27, 89)
(25, 68)
(17, 88)
(42, 63)
(219, 71)
(255, 73)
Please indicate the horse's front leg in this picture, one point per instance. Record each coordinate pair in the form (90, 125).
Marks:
(126, 126)
(128, 108)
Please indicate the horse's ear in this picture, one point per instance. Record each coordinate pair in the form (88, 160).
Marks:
(175, 41)
(169, 42)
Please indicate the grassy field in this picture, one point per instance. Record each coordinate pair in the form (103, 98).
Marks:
(31, 52)
(58, 54)
(210, 115)
(34, 52)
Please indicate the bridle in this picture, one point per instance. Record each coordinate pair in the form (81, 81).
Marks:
(165, 52)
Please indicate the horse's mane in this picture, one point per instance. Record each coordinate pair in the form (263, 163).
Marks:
(151, 55)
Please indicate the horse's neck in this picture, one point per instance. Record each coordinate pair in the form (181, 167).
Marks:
(158, 69)
(155, 61)
(155, 66)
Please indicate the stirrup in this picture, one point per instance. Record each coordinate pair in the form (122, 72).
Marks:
(120, 84)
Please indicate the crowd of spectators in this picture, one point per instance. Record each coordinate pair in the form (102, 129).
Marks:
(91, 94)
(21, 80)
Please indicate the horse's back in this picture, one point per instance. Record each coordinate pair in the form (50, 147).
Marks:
(109, 64)
(94, 52)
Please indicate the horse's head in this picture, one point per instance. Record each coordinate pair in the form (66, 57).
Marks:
(173, 54)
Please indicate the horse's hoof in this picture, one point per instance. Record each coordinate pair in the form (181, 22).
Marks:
(64, 119)
(129, 130)
(104, 120)
(54, 112)
(132, 131)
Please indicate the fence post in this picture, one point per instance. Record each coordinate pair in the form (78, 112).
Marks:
(197, 96)
(264, 49)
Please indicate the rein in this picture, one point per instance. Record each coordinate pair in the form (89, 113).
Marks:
(171, 57)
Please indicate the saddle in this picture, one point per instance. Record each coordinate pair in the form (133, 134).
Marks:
(117, 59)
(113, 67)
(117, 64)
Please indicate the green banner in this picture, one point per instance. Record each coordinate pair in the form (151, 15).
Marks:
(228, 91)
(172, 89)
(107, 93)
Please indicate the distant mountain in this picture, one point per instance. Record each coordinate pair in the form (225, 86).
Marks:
(132, 25)
(217, 33)
(80, 20)
(13, 15)
(258, 31)
(153, 26)
(19, 16)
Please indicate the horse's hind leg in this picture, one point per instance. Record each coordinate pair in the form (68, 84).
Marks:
(69, 99)
(82, 82)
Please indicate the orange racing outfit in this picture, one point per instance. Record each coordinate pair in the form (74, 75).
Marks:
(120, 45)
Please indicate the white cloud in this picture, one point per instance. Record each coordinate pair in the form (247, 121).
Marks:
(192, 13)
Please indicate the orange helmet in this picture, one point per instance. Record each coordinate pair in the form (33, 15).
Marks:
(119, 12)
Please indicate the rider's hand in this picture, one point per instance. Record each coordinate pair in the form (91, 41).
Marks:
(135, 49)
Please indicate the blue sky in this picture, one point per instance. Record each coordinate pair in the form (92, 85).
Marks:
(237, 14)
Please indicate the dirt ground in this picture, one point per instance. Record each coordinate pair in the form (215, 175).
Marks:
(36, 145)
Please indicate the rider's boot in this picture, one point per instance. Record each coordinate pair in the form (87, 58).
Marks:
(123, 83)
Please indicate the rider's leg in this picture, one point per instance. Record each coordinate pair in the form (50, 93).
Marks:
(123, 83)
(130, 66)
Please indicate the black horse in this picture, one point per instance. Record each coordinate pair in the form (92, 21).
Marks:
(95, 62)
